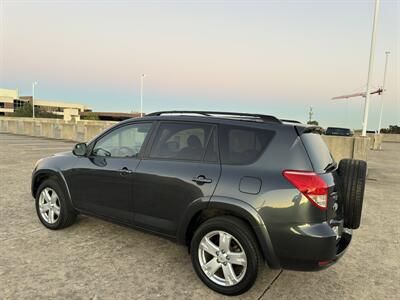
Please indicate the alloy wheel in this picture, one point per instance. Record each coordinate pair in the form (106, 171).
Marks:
(49, 205)
(222, 258)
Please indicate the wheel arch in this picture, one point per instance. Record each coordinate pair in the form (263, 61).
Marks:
(43, 174)
(201, 211)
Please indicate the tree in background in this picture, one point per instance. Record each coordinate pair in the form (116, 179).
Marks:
(391, 129)
(26, 111)
(313, 122)
(23, 111)
(90, 116)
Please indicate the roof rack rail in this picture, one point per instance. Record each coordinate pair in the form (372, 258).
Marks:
(264, 118)
(291, 121)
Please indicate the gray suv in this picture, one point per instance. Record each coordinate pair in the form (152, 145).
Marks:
(237, 189)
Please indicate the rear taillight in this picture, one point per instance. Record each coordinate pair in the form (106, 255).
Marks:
(310, 185)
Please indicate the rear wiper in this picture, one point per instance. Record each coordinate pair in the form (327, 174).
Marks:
(330, 167)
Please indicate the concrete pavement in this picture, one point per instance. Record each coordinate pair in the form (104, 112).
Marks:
(94, 259)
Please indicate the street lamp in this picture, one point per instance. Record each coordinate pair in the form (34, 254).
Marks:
(371, 64)
(33, 98)
(383, 91)
(141, 94)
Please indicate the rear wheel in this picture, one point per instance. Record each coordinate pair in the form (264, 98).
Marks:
(52, 208)
(225, 255)
(353, 175)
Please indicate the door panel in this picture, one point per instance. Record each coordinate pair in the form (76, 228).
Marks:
(102, 182)
(175, 174)
(98, 185)
(164, 189)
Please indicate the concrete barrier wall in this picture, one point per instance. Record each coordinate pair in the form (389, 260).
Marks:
(80, 131)
(360, 149)
(340, 147)
(375, 140)
(355, 147)
(394, 138)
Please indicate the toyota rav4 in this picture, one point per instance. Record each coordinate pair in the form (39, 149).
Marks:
(237, 189)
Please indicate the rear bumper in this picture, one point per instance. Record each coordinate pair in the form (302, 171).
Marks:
(311, 247)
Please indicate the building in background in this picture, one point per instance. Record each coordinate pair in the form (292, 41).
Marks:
(10, 100)
(7, 98)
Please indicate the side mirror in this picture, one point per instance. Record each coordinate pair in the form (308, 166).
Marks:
(80, 149)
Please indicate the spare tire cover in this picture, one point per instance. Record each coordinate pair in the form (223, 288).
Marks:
(352, 174)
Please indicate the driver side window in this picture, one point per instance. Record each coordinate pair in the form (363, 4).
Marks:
(122, 142)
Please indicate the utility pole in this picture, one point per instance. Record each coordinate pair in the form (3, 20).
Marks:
(383, 91)
(310, 114)
(33, 98)
(370, 68)
(141, 94)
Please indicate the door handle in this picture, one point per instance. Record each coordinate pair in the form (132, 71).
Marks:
(201, 179)
(124, 171)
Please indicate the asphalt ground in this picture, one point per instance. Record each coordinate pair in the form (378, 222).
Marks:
(94, 259)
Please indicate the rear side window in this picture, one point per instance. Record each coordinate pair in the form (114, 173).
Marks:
(317, 151)
(242, 145)
(181, 141)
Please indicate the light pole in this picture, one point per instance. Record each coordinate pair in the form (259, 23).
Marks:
(383, 91)
(33, 98)
(371, 64)
(141, 94)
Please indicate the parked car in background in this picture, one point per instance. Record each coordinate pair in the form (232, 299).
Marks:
(339, 131)
(237, 189)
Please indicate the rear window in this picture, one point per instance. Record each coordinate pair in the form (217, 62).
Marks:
(317, 150)
(181, 141)
(242, 145)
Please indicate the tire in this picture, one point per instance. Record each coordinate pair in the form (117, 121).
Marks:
(242, 239)
(353, 175)
(66, 215)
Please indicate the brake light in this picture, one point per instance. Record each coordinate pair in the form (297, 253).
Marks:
(310, 185)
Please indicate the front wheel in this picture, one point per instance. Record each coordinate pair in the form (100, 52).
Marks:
(53, 209)
(225, 255)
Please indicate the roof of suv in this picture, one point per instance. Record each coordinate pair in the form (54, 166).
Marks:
(225, 118)
(219, 114)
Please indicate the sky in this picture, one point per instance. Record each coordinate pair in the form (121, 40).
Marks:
(270, 57)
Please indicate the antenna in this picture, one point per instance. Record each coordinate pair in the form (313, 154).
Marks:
(310, 114)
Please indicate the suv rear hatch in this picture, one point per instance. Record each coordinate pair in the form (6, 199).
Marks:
(326, 168)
